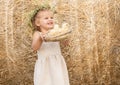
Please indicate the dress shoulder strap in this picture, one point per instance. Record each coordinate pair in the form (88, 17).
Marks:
(40, 33)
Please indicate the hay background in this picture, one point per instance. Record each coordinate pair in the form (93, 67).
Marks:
(92, 56)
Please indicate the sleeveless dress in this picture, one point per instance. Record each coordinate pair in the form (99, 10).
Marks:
(50, 67)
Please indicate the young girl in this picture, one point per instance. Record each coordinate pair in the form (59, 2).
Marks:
(50, 67)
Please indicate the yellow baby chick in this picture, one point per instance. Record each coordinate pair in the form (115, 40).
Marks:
(57, 31)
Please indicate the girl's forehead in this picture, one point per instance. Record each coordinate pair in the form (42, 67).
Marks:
(45, 13)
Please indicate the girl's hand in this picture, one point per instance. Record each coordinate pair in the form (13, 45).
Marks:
(65, 42)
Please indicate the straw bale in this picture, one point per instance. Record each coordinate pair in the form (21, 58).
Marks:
(92, 52)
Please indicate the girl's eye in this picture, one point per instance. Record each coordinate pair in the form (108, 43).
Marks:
(51, 17)
(46, 18)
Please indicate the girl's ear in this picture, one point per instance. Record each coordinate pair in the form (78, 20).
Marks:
(37, 23)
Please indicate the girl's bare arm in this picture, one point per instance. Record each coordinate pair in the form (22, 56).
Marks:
(37, 41)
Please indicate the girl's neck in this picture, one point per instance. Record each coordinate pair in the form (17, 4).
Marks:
(44, 30)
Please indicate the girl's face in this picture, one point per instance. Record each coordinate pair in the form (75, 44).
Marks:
(45, 20)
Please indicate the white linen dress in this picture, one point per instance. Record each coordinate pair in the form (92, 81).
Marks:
(50, 67)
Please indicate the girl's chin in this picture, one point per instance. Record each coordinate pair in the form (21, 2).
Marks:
(51, 28)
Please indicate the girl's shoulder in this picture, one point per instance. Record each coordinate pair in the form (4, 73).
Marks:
(36, 34)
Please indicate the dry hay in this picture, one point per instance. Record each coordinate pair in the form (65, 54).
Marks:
(93, 52)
